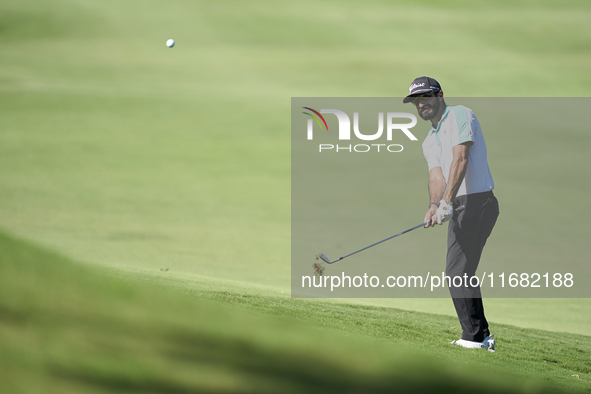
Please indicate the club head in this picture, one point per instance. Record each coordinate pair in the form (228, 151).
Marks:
(327, 260)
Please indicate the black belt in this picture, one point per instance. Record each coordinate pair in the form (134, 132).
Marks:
(462, 200)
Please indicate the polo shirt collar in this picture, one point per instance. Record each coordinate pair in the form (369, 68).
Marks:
(443, 116)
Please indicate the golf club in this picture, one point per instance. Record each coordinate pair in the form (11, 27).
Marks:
(328, 261)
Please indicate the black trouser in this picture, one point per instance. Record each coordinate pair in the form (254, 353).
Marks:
(474, 217)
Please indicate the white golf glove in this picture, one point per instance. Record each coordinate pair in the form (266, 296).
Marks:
(444, 212)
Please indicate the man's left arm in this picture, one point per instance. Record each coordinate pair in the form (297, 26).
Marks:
(457, 170)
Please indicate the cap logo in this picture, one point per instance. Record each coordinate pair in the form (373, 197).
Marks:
(414, 86)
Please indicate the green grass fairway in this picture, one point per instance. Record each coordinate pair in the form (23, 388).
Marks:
(68, 328)
(142, 164)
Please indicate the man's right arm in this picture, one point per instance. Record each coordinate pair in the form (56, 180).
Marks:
(436, 188)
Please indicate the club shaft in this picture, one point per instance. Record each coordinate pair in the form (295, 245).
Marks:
(384, 240)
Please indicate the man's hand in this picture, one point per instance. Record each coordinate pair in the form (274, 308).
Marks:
(444, 212)
(430, 217)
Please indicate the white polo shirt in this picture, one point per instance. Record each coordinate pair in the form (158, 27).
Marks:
(458, 124)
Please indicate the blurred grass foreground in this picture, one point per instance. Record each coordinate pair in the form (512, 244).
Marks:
(71, 329)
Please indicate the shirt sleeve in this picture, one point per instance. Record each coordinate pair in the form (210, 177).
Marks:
(430, 152)
(462, 127)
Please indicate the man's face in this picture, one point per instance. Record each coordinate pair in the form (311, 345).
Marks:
(428, 105)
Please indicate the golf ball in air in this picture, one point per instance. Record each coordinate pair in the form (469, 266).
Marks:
(170, 43)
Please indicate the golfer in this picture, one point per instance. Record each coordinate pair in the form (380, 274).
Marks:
(460, 190)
